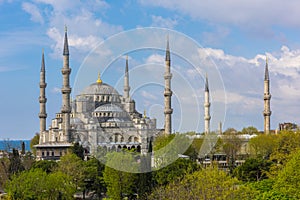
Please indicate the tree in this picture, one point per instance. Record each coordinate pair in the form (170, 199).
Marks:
(46, 165)
(288, 179)
(23, 148)
(78, 150)
(35, 140)
(254, 169)
(194, 149)
(249, 130)
(174, 171)
(15, 162)
(93, 176)
(231, 145)
(285, 144)
(4, 171)
(120, 181)
(37, 184)
(262, 146)
(72, 166)
(209, 183)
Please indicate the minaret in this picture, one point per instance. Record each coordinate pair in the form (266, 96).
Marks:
(267, 97)
(168, 92)
(66, 90)
(42, 98)
(206, 108)
(126, 82)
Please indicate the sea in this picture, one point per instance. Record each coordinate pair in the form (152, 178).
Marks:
(8, 145)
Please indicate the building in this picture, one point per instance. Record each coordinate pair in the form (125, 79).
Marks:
(267, 98)
(98, 117)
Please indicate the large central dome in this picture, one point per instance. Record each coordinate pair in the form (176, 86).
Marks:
(100, 88)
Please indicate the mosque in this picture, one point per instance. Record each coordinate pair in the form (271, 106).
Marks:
(100, 117)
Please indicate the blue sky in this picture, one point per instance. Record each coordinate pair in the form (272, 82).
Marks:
(235, 34)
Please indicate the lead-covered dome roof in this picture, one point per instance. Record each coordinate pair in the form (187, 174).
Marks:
(109, 108)
(100, 88)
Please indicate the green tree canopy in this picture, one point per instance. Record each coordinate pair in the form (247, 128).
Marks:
(35, 140)
(254, 169)
(119, 180)
(209, 183)
(37, 184)
(288, 179)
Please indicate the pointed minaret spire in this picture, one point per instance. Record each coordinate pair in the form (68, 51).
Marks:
(168, 57)
(168, 92)
(42, 98)
(266, 70)
(66, 45)
(126, 82)
(206, 84)
(267, 97)
(66, 90)
(206, 108)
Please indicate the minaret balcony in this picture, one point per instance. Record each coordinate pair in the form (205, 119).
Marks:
(167, 93)
(66, 90)
(42, 99)
(168, 75)
(168, 111)
(42, 115)
(66, 71)
(207, 118)
(267, 96)
(267, 113)
(206, 104)
(43, 85)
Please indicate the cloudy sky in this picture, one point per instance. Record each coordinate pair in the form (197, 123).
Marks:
(235, 35)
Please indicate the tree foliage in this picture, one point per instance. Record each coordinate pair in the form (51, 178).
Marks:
(15, 164)
(249, 130)
(174, 171)
(254, 169)
(35, 140)
(210, 183)
(288, 179)
(37, 184)
(117, 175)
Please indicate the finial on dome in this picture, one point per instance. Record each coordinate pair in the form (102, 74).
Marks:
(99, 81)
(145, 116)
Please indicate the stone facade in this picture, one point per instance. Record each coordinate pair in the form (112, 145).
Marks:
(98, 117)
(206, 108)
(267, 97)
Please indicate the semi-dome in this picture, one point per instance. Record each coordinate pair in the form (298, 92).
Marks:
(100, 88)
(109, 108)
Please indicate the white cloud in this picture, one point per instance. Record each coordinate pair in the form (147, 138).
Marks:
(33, 11)
(85, 30)
(156, 58)
(257, 13)
(243, 80)
(159, 21)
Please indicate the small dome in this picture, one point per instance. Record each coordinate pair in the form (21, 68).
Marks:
(100, 88)
(114, 120)
(75, 121)
(109, 108)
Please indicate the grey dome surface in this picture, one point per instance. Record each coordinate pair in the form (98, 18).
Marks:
(109, 108)
(101, 88)
(75, 121)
